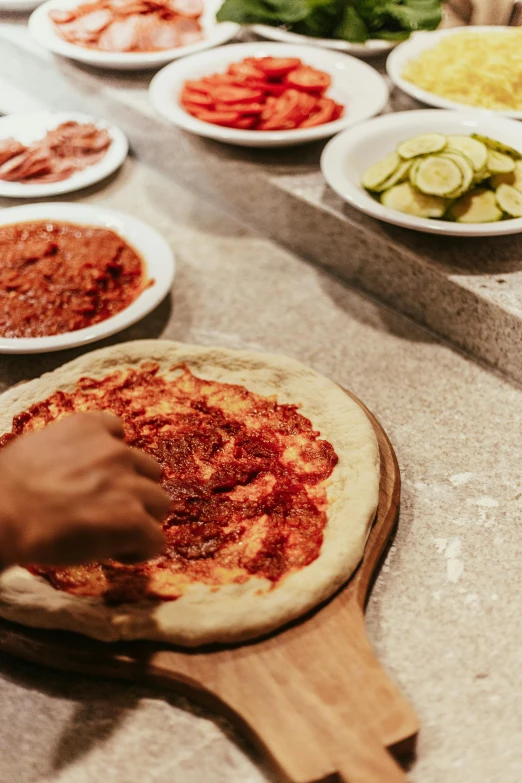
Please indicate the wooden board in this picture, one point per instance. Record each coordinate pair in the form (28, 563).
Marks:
(313, 697)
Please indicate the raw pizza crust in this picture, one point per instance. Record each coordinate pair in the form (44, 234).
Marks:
(234, 612)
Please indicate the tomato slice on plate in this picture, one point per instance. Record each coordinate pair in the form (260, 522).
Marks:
(245, 123)
(242, 108)
(197, 86)
(324, 113)
(275, 67)
(230, 94)
(199, 98)
(219, 117)
(246, 71)
(309, 79)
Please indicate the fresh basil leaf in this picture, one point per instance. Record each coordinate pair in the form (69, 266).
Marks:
(352, 28)
(273, 12)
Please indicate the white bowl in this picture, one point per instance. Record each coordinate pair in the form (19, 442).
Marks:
(419, 43)
(44, 31)
(369, 48)
(18, 6)
(355, 84)
(30, 126)
(153, 249)
(346, 158)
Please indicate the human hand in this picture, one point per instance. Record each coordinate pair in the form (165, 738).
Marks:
(74, 492)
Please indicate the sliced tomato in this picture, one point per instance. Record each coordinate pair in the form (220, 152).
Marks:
(230, 94)
(197, 86)
(338, 112)
(283, 112)
(219, 117)
(217, 80)
(276, 67)
(199, 98)
(245, 123)
(309, 79)
(242, 108)
(193, 108)
(246, 70)
(324, 113)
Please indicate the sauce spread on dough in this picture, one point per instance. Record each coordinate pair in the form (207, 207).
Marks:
(57, 277)
(247, 477)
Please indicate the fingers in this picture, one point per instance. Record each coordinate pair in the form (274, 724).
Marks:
(145, 465)
(143, 541)
(108, 421)
(154, 499)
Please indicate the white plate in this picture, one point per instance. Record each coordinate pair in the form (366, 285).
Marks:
(29, 127)
(414, 47)
(372, 47)
(43, 30)
(19, 6)
(154, 250)
(354, 84)
(346, 158)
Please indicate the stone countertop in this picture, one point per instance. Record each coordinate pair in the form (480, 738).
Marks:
(444, 616)
(468, 290)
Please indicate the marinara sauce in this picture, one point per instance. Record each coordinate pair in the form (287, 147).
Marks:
(59, 277)
(247, 478)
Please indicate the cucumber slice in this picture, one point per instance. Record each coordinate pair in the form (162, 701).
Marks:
(474, 150)
(438, 176)
(406, 198)
(498, 146)
(498, 163)
(509, 199)
(513, 178)
(379, 172)
(479, 206)
(481, 175)
(466, 168)
(399, 175)
(425, 144)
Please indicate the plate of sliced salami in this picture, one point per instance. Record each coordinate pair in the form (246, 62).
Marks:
(49, 153)
(129, 34)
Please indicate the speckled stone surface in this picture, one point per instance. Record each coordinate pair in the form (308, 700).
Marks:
(469, 291)
(444, 616)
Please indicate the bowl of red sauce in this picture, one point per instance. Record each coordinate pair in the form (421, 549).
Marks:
(72, 274)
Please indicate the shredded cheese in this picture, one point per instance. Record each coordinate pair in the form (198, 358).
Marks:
(479, 69)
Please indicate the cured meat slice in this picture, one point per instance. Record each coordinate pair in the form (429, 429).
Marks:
(189, 8)
(9, 148)
(188, 31)
(121, 35)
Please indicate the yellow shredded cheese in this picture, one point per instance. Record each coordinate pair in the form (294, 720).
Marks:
(476, 68)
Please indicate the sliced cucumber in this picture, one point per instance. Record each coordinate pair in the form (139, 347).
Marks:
(466, 168)
(498, 146)
(399, 175)
(405, 198)
(474, 150)
(513, 178)
(509, 199)
(425, 144)
(481, 175)
(479, 206)
(379, 172)
(498, 163)
(437, 175)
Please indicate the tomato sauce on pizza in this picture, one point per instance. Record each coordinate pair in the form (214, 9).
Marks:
(59, 277)
(247, 479)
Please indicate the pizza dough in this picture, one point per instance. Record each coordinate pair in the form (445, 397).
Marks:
(233, 612)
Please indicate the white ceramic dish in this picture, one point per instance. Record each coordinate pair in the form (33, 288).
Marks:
(414, 47)
(354, 84)
(367, 49)
(18, 6)
(29, 127)
(44, 32)
(346, 157)
(154, 250)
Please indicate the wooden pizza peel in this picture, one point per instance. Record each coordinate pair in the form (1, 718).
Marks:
(312, 697)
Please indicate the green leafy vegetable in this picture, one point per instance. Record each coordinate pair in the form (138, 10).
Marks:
(349, 20)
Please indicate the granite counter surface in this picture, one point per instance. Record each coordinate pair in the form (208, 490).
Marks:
(444, 616)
